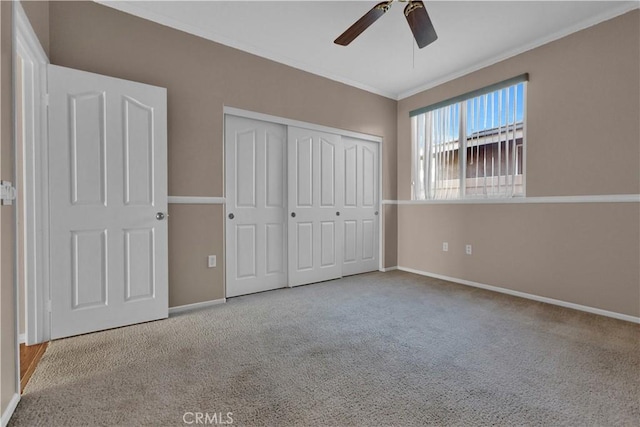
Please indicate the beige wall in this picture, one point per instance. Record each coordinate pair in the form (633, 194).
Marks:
(581, 253)
(197, 229)
(201, 77)
(7, 293)
(582, 111)
(583, 133)
(38, 14)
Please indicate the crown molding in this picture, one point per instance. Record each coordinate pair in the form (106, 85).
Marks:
(141, 12)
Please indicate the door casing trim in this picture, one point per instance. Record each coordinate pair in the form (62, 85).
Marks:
(35, 181)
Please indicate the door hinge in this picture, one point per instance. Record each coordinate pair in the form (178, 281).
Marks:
(45, 99)
(7, 193)
(49, 306)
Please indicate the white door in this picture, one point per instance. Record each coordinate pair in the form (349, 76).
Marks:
(361, 204)
(108, 182)
(255, 161)
(316, 173)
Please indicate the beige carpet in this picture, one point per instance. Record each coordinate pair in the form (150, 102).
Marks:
(375, 349)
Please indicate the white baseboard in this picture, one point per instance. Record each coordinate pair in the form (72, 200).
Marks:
(386, 269)
(533, 297)
(195, 306)
(6, 415)
(22, 338)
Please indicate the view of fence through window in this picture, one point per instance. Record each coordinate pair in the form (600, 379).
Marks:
(489, 161)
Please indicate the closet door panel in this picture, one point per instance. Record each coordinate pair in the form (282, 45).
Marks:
(361, 206)
(316, 193)
(256, 175)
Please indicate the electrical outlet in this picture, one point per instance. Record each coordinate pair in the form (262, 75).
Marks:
(445, 246)
(468, 249)
(211, 261)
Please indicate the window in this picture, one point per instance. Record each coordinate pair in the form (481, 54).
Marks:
(471, 146)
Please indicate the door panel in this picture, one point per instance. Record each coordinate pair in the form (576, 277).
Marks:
(350, 176)
(138, 153)
(350, 240)
(245, 147)
(108, 179)
(368, 240)
(275, 164)
(369, 175)
(328, 243)
(304, 172)
(245, 255)
(139, 257)
(89, 263)
(88, 148)
(361, 206)
(316, 175)
(327, 174)
(275, 242)
(305, 245)
(255, 159)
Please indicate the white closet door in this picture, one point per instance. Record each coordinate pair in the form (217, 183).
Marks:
(316, 171)
(256, 165)
(108, 193)
(361, 204)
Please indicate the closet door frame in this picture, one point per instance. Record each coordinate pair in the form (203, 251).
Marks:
(311, 126)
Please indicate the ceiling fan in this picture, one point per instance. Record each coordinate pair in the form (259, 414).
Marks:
(417, 18)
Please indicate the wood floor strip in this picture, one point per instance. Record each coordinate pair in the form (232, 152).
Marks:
(29, 358)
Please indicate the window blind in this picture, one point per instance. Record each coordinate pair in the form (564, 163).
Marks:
(472, 148)
(472, 94)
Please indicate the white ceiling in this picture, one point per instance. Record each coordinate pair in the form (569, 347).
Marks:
(384, 59)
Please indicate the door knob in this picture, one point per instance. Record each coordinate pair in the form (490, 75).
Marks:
(337, 213)
(160, 216)
(231, 216)
(293, 214)
(376, 213)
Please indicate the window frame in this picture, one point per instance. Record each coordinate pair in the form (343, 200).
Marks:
(462, 141)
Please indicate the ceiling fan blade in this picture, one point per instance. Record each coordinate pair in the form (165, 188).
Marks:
(420, 23)
(363, 23)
